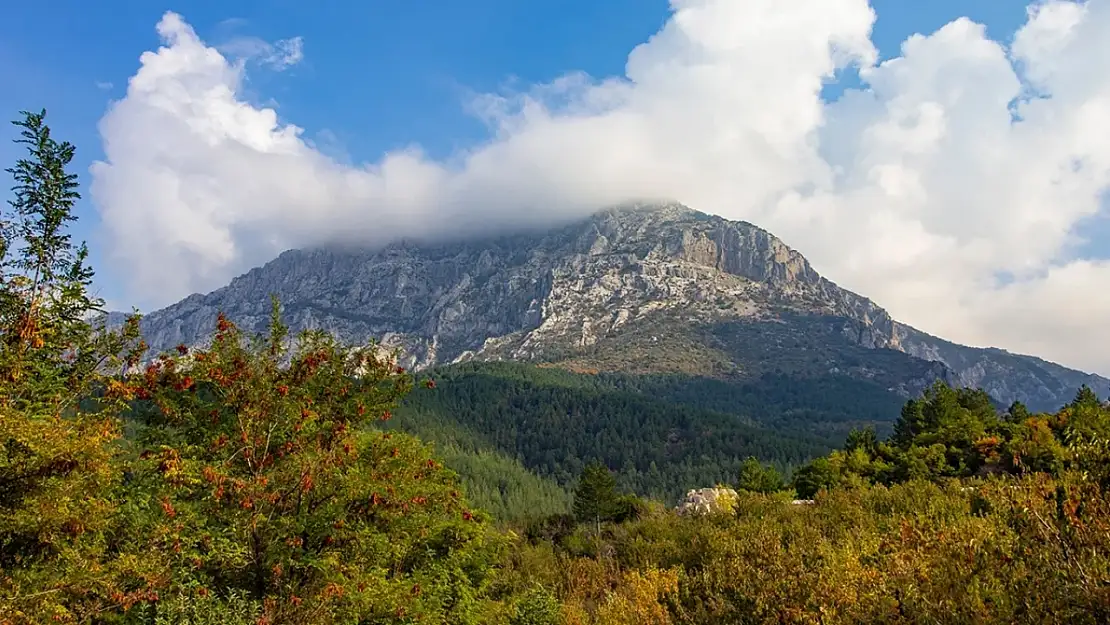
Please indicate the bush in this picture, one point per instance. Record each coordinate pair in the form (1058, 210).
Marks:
(537, 607)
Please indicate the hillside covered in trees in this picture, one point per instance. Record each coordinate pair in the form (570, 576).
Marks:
(254, 482)
(663, 433)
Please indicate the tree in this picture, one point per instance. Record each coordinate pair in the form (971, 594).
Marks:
(865, 439)
(756, 478)
(50, 353)
(962, 423)
(814, 477)
(595, 497)
(260, 475)
(1017, 413)
(57, 452)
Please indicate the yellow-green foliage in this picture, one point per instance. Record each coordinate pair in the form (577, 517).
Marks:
(1031, 550)
(57, 471)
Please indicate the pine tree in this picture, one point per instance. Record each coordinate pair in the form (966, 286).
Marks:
(595, 498)
(1017, 413)
(756, 478)
(865, 439)
(56, 453)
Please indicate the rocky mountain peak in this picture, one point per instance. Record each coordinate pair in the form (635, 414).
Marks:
(648, 287)
(674, 231)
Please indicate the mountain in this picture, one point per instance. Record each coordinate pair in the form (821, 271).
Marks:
(637, 289)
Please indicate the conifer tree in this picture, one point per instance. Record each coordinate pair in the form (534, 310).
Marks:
(56, 453)
(595, 498)
(756, 478)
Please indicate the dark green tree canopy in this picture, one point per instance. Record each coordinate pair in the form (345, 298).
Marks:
(595, 497)
(757, 478)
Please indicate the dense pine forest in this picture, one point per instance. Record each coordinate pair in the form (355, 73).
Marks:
(555, 421)
(284, 480)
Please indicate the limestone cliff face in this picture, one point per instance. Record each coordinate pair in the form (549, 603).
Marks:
(631, 278)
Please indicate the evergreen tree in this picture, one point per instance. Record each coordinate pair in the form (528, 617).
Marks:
(865, 439)
(595, 498)
(1017, 413)
(756, 478)
(57, 454)
(815, 476)
(1086, 397)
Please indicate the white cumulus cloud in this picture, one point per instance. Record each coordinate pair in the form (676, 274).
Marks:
(952, 188)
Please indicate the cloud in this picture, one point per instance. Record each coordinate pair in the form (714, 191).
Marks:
(103, 85)
(279, 56)
(952, 188)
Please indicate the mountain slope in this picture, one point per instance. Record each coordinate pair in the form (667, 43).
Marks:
(644, 289)
(663, 432)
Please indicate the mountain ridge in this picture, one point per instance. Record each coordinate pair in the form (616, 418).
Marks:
(661, 270)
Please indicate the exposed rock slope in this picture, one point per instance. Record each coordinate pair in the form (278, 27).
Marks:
(637, 288)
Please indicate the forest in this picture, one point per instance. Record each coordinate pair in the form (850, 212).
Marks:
(274, 480)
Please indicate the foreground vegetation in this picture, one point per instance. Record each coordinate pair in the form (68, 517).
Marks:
(255, 481)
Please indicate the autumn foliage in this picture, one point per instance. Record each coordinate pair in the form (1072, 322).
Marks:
(265, 481)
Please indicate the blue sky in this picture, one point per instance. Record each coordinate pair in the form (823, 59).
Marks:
(980, 201)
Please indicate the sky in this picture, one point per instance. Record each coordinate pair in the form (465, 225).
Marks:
(947, 159)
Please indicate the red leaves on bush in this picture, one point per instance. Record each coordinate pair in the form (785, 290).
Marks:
(223, 325)
(167, 508)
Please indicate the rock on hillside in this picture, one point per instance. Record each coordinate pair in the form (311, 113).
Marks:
(702, 501)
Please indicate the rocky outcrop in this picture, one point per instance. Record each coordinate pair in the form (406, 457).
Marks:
(700, 501)
(662, 275)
